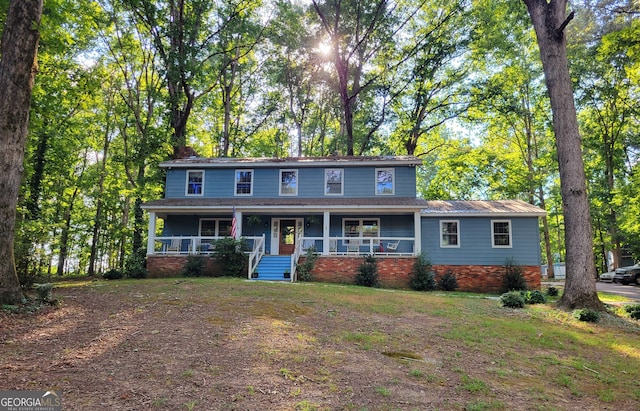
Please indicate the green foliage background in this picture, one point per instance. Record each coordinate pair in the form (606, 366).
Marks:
(457, 83)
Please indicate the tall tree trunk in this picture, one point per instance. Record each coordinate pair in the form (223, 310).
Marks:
(17, 71)
(138, 215)
(546, 235)
(64, 235)
(549, 20)
(227, 83)
(122, 250)
(612, 221)
(32, 202)
(138, 224)
(97, 220)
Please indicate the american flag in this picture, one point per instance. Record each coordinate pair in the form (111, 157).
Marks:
(234, 224)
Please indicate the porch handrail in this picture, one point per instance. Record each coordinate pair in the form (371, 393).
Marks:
(295, 257)
(195, 242)
(256, 254)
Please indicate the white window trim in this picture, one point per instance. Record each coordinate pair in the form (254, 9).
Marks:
(493, 238)
(360, 221)
(393, 182)
(235, 182)
(326, 181)
(186, 186)
(280, 182)
(442, 243)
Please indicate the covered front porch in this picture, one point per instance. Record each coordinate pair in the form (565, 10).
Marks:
(333, 246)
(286, 227)
(329, 233)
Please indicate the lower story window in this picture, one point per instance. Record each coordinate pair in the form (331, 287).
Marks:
(215, 227)
(361, 228)
(449, 233)
(501, 233)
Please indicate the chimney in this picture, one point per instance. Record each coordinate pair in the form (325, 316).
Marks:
(187, 152)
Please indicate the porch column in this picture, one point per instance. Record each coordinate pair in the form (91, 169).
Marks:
(151, 233)
(326, 223)
(417, 224)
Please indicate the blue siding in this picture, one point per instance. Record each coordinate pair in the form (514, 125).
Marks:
(475, 242)
(179, 225)
(176, 182)
(390, 226)
(359, 182)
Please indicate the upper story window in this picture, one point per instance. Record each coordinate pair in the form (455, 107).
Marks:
(501, 233)
(195, 182)
(449, 233)
(385, 181)
(288, 182)
(333, 181)
(244, 182)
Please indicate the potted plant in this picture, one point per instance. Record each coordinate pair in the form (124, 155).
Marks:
(254, 274)
(254, 220)
(287, 274)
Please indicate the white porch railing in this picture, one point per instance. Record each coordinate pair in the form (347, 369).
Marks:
(194, 245)
(349, 246)
(256, 254)
(295, 257)
(184, 245)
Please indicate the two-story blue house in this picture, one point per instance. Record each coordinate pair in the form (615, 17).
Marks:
(345, 207)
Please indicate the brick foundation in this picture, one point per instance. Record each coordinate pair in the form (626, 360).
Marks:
(486, 278)
(393, 272)
(165, 266)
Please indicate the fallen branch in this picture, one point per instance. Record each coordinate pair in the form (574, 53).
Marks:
(589, 369)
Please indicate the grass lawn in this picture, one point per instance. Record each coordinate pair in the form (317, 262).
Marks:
(230, 344)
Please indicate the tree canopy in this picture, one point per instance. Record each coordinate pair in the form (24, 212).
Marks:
(125, 84)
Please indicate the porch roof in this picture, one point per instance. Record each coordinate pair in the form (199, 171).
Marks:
(480, 208)
(190, 205)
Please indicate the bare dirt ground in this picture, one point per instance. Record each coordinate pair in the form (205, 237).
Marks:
(173, 345)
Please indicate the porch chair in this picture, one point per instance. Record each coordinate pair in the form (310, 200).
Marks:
(203, 246)
(353, 246)
(175, 246)
(393, 245)
(333, 246)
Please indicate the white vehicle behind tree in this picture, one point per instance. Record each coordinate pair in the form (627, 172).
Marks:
(607, 277)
